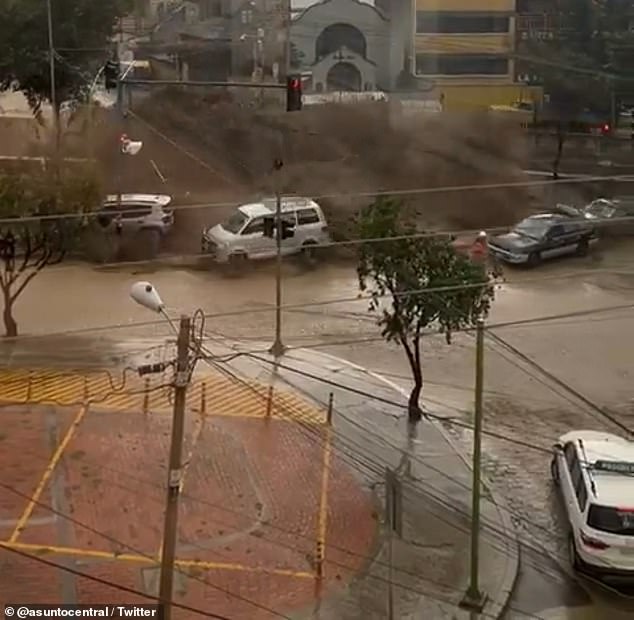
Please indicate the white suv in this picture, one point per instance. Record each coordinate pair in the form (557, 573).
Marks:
(243, 237)
(595, 474)
(143, 220)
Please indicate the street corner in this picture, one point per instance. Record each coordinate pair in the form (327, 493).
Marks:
(267, 496)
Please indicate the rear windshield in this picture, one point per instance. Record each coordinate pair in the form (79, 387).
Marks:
(613, 520)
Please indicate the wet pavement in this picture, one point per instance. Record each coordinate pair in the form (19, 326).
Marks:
(541, 379)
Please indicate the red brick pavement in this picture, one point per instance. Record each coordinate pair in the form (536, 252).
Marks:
(251, 497)
(25, 450)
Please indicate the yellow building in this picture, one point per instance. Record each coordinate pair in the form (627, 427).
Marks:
(465, 48)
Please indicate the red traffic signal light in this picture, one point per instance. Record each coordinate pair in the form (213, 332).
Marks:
(293, 93)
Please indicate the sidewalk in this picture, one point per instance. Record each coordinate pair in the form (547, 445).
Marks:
(430, 565)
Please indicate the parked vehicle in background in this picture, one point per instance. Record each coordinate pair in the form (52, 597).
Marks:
(542, 237)
(594, 472)
(546, 116)
(611, 216)
(143, 220)
(242, 237)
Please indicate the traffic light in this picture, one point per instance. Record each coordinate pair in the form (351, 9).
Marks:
(111, 74)
(293, 93)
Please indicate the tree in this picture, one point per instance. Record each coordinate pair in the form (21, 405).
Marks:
(397, 273)
(82, 32)
(577, 66)
(31, 236)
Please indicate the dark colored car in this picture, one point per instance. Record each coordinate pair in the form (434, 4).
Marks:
(541, 237)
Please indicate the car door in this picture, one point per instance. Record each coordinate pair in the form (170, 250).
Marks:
(555, 242)
(135, 215)
(253, 241)
(570, 468)
(292, 244)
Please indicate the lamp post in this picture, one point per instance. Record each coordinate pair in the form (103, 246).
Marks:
(147, 296)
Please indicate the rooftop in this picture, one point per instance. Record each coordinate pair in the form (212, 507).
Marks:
(267, 206)
(612, 488)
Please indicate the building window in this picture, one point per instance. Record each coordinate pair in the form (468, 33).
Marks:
(246, 16)
(452, 23)
(461, 64)
(210, 9)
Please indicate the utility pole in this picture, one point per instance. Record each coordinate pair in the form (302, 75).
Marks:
(474, 598)
(120, 153)
(278, 348)
(394, 521)
(51, 64)
(170, 528)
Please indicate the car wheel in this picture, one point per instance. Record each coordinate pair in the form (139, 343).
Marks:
(534, 258)
(582, 248)
(237, 263)
(554, 471)
(148, 244)
(575, 561)
(309, 253)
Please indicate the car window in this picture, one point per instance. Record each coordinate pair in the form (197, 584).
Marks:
(571, 453)
(576, 475)
(556, 231)
(235, 223)
(582, 494)
(614, 520)
(307, 216)
(533, 228)
(129, 210)
(254, 227)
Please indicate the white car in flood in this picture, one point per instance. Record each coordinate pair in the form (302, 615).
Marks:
(595, 474)
(242, 237)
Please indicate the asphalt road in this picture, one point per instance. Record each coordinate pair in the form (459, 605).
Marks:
(542, 377)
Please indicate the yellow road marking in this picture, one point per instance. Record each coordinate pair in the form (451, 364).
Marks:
(225, 397)
(28, 511)
(141, 559)
(322, 525)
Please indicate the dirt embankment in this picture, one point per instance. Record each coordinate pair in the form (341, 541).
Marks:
(336, 151)
(208, 149)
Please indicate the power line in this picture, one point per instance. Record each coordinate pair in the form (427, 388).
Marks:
(121, 544)
(452, 508)
(589, 403)
(286, 307)
(373, 195)
(110, 584)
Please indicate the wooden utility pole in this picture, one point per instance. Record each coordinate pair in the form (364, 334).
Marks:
(170, 528)
(474, 598)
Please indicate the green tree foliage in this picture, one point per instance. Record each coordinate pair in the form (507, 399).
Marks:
(579, 67)
(31, 236)
(83, 31)
(396, 275)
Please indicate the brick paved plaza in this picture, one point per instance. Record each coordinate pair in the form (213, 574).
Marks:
(258, 493)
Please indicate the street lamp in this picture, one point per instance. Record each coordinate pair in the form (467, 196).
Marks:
(258, 52)
(145, 294)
